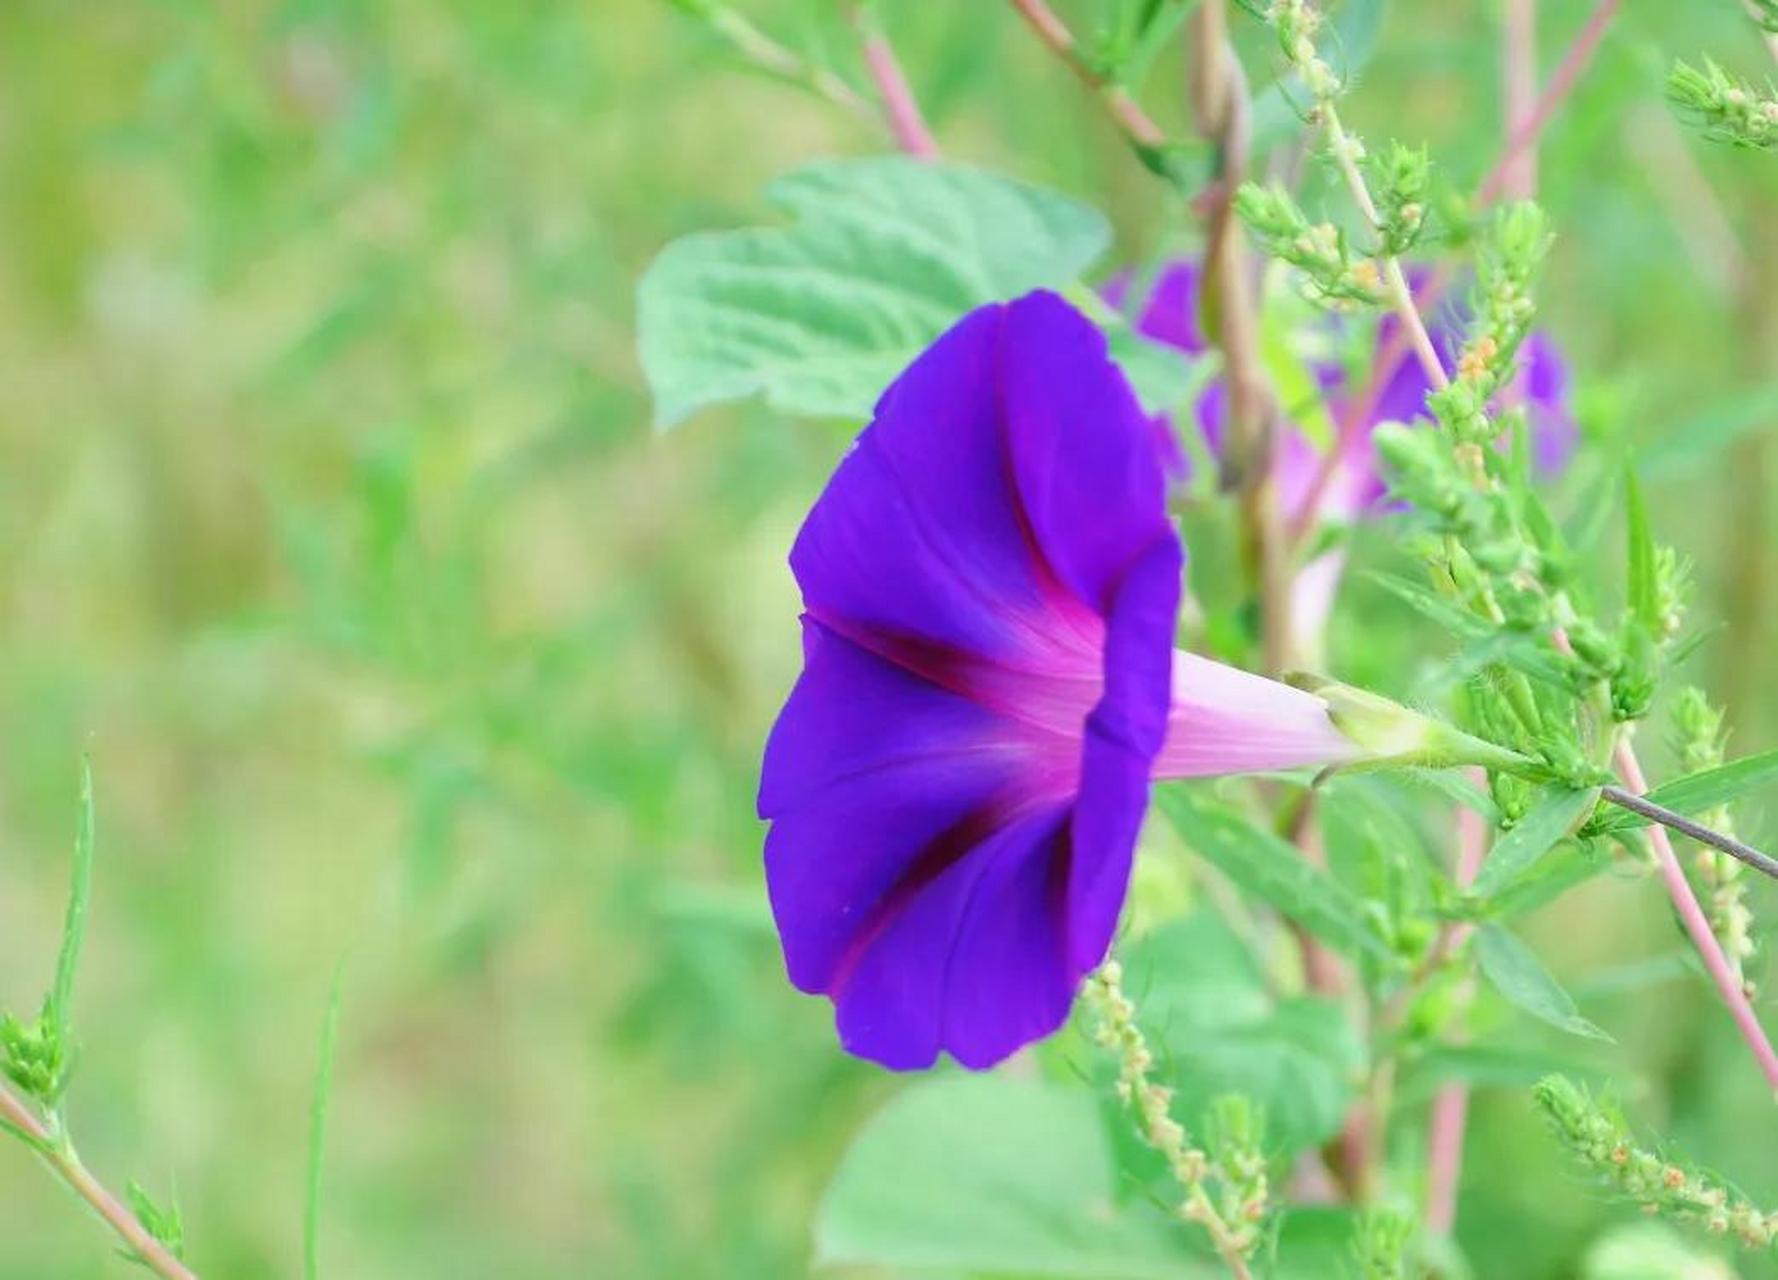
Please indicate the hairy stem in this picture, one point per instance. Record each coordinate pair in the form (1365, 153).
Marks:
(1697, 925)
(900, 108)
(56, 1151)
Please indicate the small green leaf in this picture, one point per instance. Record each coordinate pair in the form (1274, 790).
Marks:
(1499, 1065)
(1492, 644)
(166, 1226)
(881, 256)
(1699, 792)
(991, 1174)
(1520, 977)
(318, 1107)
(1272, 869)
(1644, 588)
(58, 1009)
(1551, 818)
(1569, 865)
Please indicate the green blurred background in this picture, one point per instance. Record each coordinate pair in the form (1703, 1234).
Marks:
(332, 525)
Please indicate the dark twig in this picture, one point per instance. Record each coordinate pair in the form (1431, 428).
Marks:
(1686, 827)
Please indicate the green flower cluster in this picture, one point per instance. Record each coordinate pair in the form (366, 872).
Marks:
(1723, 106)
(1600, 1140)
(1226, 1187)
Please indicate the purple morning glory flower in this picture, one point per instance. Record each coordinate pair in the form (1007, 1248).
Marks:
(1169, 314)
(957, 781)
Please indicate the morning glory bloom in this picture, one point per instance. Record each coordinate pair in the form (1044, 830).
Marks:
(1169, 314)
(956, 784)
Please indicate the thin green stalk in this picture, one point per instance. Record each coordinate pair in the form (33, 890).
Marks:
(318, 1130)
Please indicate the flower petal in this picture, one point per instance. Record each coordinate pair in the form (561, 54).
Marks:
(1554, 432)
(1170, 310)
(921, 535)
(1123, 733)
(956, 783)
(854, 712)
(1225, 720)
(972, 965)
(870, 774)
(1089, 478)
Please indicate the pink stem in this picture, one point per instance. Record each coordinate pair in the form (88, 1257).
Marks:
(900, 107)
(1450, 1106)
(1692, 916)
(1561, 84)
(1518, 72)
(1444, 1156)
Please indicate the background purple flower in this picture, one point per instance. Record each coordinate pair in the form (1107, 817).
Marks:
(958, 779)
(1169, 314)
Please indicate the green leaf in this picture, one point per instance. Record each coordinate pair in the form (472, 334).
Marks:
(1550, 819)
(58, 1009)
(1507, 1066)
(1459, 790)
(1300, 396)
(1699, 792)
(1163, 377)
(1570, 865)
(1493, 644)
(1644, 588)
(1272, 869)
(1694, 442)
(993, 1174)
(1520, 977)
(881, 256)
(1217, 1029)
(330, 1023)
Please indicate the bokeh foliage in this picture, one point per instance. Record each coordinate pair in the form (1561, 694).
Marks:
(333, 526)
